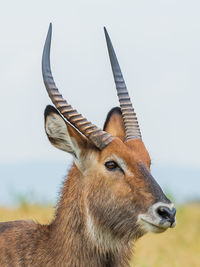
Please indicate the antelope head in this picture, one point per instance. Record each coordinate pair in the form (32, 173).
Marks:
(121, 197)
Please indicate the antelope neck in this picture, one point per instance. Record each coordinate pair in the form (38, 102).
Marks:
(69, 230)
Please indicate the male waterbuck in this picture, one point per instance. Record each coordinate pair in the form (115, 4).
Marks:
(109, 198)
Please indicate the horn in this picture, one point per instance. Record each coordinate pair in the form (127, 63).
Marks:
(129, 116)
(98, 137)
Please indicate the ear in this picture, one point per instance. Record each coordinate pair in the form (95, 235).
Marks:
(61, 134)
(114, 124)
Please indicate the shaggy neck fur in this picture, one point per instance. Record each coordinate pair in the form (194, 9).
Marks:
(70, 242)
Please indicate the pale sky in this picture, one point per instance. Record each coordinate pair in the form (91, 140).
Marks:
(158, 47)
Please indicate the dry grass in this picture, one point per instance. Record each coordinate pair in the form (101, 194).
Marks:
(38, 213)
(178, 247)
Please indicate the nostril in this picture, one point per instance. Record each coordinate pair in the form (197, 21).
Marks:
(166, 214)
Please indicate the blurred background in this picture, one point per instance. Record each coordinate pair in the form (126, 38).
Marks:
(158, 47)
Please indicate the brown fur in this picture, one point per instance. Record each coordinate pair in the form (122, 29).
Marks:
(96, 218)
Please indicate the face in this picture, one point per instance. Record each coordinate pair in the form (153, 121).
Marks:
(122, 196)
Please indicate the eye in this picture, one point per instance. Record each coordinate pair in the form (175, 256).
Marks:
(112, 165)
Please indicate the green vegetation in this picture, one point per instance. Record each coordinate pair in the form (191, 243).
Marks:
(178, 247)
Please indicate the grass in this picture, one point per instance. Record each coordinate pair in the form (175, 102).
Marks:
(178, 247)
(38, 213)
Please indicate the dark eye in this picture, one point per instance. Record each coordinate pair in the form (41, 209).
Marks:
(111, 165)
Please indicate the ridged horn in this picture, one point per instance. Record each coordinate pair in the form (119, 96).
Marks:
(98, 137)
(129, 116)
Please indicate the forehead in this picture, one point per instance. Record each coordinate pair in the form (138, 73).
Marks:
(132, 151)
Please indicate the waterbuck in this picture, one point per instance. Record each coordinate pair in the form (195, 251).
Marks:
(109, 198)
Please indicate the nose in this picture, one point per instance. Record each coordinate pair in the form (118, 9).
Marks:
(167, 214)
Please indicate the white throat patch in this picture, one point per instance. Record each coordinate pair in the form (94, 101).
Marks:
(102, 238)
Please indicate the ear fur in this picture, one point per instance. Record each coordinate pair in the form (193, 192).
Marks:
(61, 134)
(114, 124)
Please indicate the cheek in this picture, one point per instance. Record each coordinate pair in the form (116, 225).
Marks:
(110, 186)
(108, 182)
(120, 189)
(109, 205)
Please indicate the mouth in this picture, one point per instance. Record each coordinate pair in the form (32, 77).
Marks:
(149, 226)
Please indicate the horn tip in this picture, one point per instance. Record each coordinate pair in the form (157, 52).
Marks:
(50, 27)
(105, 31)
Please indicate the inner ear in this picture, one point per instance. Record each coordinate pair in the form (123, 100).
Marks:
(61, 134)
(114, 124)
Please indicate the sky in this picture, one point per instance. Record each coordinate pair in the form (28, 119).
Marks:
(158, 47)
